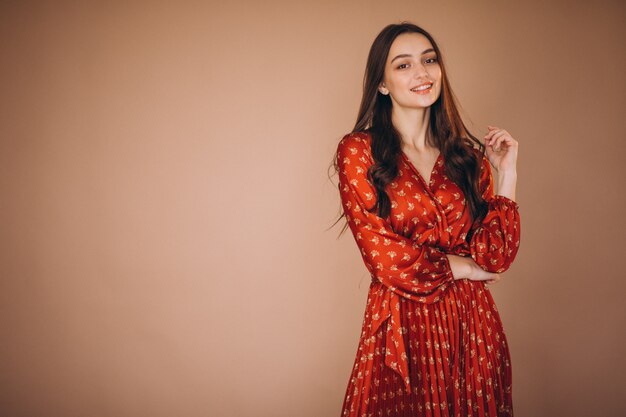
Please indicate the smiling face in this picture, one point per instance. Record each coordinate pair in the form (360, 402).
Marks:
(411, 63)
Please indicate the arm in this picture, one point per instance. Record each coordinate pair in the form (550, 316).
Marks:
(495, 242)
(506, 184)
(393, 259)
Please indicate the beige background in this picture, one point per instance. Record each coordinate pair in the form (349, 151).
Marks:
(165, 205)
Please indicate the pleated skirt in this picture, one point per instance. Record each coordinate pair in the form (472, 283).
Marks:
(459, 361)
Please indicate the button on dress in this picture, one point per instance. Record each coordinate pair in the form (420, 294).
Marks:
(430, 345)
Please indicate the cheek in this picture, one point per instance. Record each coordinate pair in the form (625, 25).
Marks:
(437, 76)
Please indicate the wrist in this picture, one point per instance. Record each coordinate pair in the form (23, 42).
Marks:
(460, 265)
(507, 181)
(467, 267)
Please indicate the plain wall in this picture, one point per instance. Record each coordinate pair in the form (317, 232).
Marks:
(165, 206)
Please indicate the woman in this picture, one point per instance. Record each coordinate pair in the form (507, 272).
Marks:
(418, 195)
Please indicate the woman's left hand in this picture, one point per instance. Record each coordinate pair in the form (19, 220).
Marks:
(501, 149)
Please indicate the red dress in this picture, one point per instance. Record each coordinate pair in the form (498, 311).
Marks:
(430, 345)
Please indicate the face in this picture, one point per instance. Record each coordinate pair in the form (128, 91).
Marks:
(412, 62)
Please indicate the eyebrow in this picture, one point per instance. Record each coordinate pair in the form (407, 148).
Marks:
(409, 55)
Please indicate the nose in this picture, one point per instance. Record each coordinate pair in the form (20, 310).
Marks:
(420, 71)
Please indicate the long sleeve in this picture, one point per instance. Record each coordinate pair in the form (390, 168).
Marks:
(495, 242)
(400, 263)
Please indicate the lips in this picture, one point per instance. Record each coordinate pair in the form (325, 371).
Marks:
(420, 87)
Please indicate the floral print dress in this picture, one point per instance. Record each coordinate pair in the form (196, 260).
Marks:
(430, 345)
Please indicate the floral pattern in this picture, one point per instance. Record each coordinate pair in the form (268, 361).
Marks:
(430, 345)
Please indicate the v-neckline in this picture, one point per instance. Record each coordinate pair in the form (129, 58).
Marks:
(432, 171)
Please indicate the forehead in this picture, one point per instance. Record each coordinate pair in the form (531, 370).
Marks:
(409, 43)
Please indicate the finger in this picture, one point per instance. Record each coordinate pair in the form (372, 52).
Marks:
(498, 139)
(491, 133)
(491, 140)
(491, 129)
(494, 132)
(488, 138)
(504, 142)
(497, 143)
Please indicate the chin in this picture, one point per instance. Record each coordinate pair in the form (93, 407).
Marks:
(422, 104)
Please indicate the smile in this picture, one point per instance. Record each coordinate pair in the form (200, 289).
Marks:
(424, 89)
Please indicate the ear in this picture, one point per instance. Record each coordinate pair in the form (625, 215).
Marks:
(382, 89)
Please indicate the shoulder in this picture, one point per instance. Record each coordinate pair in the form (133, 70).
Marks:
(354, 146)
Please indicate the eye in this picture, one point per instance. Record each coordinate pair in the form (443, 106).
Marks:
(432, 59)
(401, 66)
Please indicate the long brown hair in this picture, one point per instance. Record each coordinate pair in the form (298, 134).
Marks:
(446, 130)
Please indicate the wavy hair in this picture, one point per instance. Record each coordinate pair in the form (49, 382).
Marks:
(462, 152)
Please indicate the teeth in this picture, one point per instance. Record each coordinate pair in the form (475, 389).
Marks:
(422, 88)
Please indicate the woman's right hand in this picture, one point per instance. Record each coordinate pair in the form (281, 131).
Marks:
(464, 267)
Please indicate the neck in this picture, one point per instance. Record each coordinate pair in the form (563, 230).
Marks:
(412, 124)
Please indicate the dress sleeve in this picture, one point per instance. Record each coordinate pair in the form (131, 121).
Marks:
(495, 241)
(395, 260)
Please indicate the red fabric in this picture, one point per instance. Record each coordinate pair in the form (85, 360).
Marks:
(442, 350)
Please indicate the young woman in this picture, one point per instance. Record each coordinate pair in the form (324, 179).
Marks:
(418, 194)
